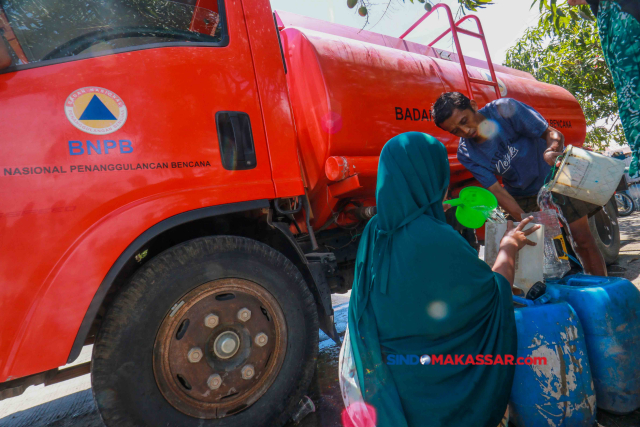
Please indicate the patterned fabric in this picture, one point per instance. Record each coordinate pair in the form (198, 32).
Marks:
(620, 37)
(629, 6)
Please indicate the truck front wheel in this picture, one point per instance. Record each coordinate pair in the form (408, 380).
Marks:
(222, 329)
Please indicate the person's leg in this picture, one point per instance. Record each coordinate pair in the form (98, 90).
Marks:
(505, 419)
(620, 39)
(528, 204)
(576, 213)
(586, 247)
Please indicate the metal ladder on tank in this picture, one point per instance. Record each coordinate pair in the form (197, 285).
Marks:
(454, 28)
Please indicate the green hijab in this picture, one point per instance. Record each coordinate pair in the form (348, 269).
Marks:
(420, 288)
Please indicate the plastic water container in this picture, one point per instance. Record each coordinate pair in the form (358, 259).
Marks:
(560, 393)
(587, 176)
(529, 260)
(609, 310)
(357, 412)
(555, 265)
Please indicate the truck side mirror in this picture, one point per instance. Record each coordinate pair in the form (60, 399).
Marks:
(205, 21)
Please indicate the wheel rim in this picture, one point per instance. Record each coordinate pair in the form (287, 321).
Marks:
(624, 204)
(604, 226)
(220, 348)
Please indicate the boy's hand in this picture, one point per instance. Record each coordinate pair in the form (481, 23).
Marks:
(555, 145)
(551, 156)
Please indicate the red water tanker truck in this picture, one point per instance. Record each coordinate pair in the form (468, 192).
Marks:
(183, 185)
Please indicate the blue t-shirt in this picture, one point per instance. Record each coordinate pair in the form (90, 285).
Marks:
(514, 150)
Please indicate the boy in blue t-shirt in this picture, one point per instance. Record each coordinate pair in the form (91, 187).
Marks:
(512, 140)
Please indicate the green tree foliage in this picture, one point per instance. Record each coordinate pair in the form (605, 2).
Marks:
(555, 18)
(571, 57)
(366, 5)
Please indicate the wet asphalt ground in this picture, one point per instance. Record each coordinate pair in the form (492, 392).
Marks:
(70, 404)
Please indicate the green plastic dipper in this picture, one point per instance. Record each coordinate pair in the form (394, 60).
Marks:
(475, 206)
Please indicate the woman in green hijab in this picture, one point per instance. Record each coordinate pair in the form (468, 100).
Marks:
(420, 289)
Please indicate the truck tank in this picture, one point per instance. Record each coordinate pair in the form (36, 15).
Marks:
(352, 90)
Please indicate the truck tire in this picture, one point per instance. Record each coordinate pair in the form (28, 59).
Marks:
(606, 230)
(163, 358)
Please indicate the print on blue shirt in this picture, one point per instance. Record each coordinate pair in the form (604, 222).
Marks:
(503, 165)
(514, 150)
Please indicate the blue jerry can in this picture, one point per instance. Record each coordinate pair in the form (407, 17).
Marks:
(561, 392)
(609, 310)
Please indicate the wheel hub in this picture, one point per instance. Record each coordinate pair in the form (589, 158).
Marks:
(219, 348)
(226, 345)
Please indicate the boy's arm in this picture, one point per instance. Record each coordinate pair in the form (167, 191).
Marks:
(527, 121)
(506, 201)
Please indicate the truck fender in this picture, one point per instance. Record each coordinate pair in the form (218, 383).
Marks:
(125, 265)
(122, 266)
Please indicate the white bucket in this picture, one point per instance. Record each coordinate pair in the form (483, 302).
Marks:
(587, 176)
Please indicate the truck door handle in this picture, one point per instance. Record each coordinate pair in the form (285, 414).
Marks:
(244, 142)
(237, 149)
(237, 137)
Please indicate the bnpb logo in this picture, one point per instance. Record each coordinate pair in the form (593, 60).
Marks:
(95, 110)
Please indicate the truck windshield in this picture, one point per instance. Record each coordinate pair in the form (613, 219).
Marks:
(38, 30)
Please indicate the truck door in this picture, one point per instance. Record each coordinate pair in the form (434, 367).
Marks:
(109, 107)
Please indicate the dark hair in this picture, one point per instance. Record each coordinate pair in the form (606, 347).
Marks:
(446, 104)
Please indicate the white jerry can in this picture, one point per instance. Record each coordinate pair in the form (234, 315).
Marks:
(529, 260)
(587, 176)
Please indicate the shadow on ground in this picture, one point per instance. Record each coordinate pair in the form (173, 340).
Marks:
(629, 258)
(629, 229)
(74, 410)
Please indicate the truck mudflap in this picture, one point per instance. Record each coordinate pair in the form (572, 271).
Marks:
(314, 268)
(321, 264)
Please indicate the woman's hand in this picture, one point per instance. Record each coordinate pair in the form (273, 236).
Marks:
(445, 205)
(517, 237)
